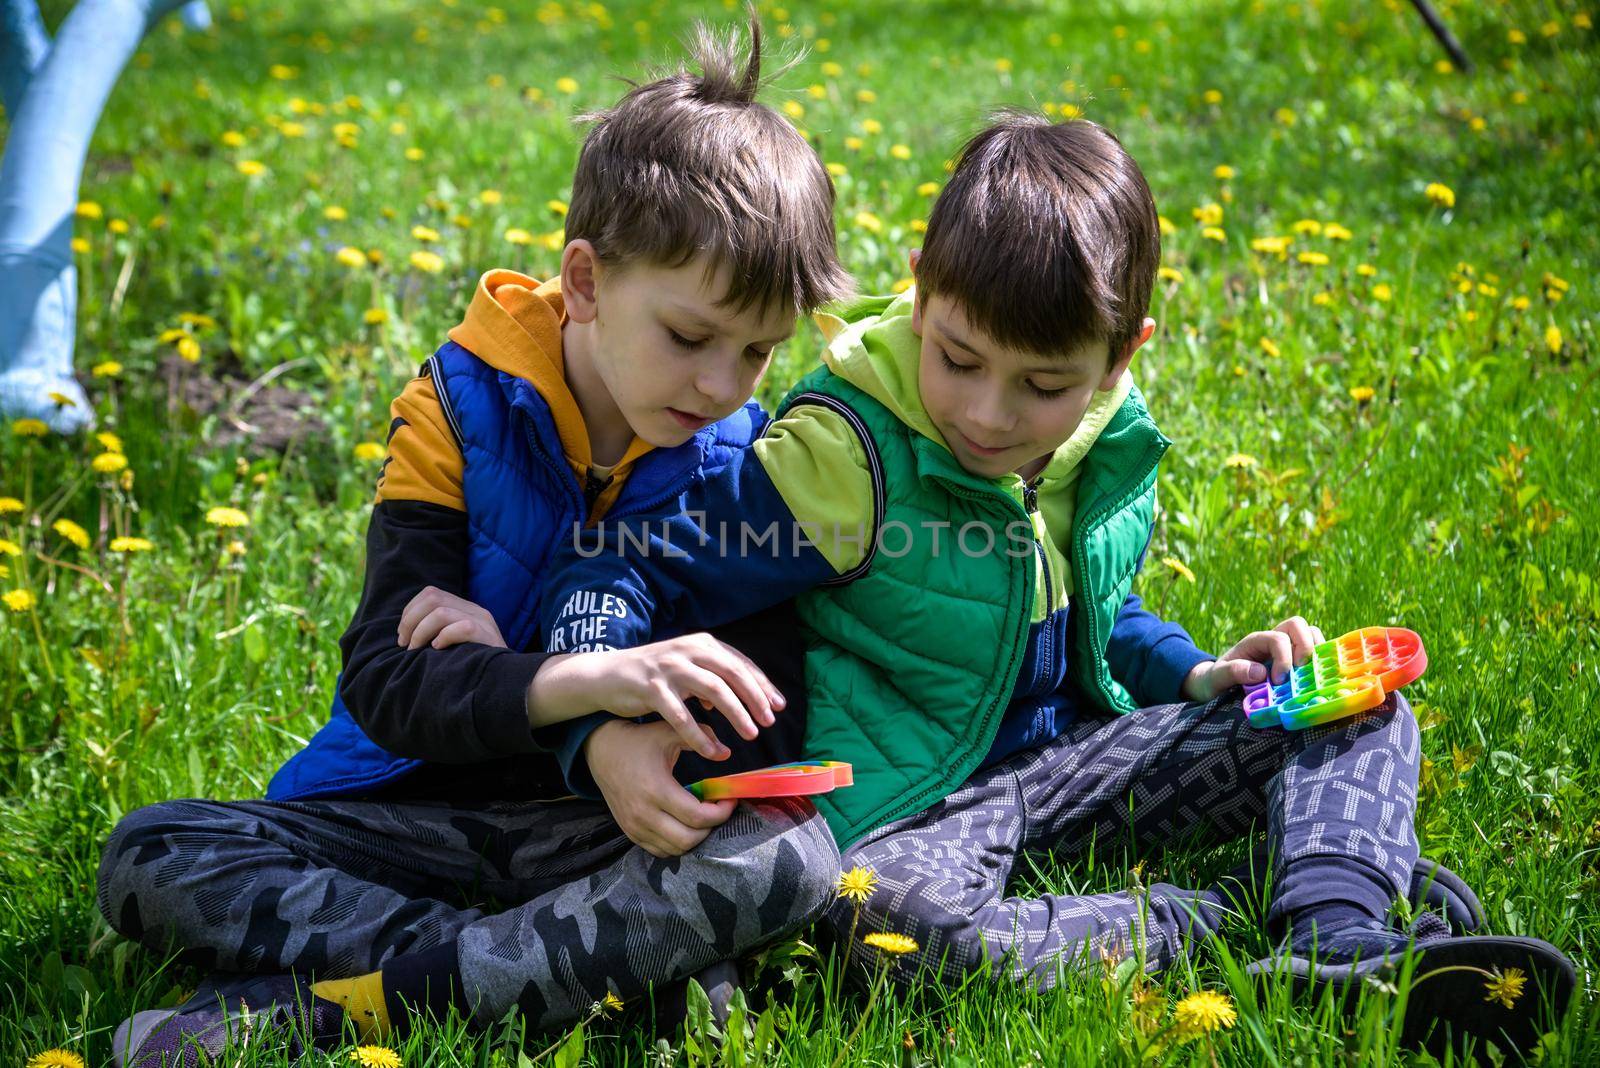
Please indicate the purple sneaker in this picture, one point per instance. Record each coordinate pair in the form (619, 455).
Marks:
(273, 1011)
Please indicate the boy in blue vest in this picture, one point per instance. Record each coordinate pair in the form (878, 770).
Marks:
(700, 224)
(960, 499)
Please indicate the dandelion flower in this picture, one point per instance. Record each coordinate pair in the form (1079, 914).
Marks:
(490, 197)
(51, 1058)
(430, 262)
(8, 505)
(1286, 116)
(131, 545)
(374, 316)
(188, 348)
(108, 463)
(251, 168)
(612, 1002)
(425, 233)
(1505, 987)
(927, 189)
(237, 548)
(1552, 339)
(1208, 214)
(871, 126)
(109, 441)
(351, 257)
(117, 226)
(901, 152)
(334, 213)
(1382, 293)
(1178, 568)
(567, 85)
(1366, 270)
(80, 245)
(1214, 233)
(518, 236)
(889, 942)
(375, 1057)
(72, 532)
(233, 139)
(106, 369)
(88, 209)
(794, 109)
(1169, 274)
(1222, 172)
(1334, 232)
(1272, 246)
(223, 516)
(29, 428)
(415, 154)
(20, 601)
(857, 884)
(1314, 259)
(868, 221)
(1440, 194)
(369, 450)
(1362, 394)
(1212, 96)
(1240, 461)
(1204, 1011)
(9, 548)
(281, 72)
(838, 170)
(61, 400)
(1307, 226)
(1270, 347)
(866, 96)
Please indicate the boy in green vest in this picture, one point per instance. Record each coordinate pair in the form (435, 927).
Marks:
(959, 499)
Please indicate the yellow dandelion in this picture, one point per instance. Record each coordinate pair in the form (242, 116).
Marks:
(1366, 270)
(109, 442)
(857, 884)
(334, 213)
(567, 85)
(223, 516)
(1166, 226)
(1314, 259)
(919, 226)
(889, 942)
(88, 209)
(108, 463)
(901, 152)
(10, 505)
(1516, 36)
(374, 316)
(117, 226)
(871, 126)
(1222, 172)
(1169, 274)
(1178, 568)
(866, 96)
(868, 221)
(233, 139)
(1270, 347)
(1272, 246)
(554, 240)
(838, 170)
(20, 601)
(236, 548)
(1552, 339)
(369, 450)
(375, 1057)
(251, 168)
(196, 320)
(71, 532)
(292, 129)
(351, 257)
(281, 72)
(415, 154)
(1285, 116)
(1505, 987)
(817, 92)
(794, 109)
(425, 233)
(831, 69)
(55, 1058)
(557, 206)
(1440, 194)
(106, 369)
(1240, 461)
(1208, 214)
(1202, 1012)
(490, 197)
(1214, 233)
(430, 262)
(9, 548)
(1212, 96)
(1382, 293)
(612, 1002)
(1307, 226)
(1362, 394)
(928, 189)
(80, 246)
(1521, 303)
(1550, 281)
(1322, 299)
(853, 143)
(29, 428)
(61, 400)
(518, 236)
(188, 348)
(1334, 232)
(131, 545)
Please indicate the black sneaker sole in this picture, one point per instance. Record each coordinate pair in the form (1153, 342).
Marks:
(1449, 998)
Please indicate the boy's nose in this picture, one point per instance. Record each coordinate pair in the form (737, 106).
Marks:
(987, 412)
(720, 386)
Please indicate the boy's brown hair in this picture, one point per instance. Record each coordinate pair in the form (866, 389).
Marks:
(690, 163)
(1046, 236)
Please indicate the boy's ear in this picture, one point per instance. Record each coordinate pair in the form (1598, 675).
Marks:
(1120, 367)
(580, 271)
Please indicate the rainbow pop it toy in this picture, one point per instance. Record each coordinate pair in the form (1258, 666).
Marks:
(801, 778)
(1350, 674)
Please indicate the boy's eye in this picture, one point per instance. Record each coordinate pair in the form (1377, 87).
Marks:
(757, 355)
(684, 342)
(1046, 394)
(951, 365)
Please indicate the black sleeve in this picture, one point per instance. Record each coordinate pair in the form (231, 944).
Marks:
(459, 705)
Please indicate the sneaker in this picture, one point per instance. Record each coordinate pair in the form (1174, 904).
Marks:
(277, 1011)
(1434, 887)
(1499, 989)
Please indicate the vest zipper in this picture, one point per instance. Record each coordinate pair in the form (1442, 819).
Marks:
(592, 489)
(1030, 504)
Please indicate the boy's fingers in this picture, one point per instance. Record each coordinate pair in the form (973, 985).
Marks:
(414, 612)
(1244, 673)
(1300, 641)
(741, 673)
(758, 679)
(1282, 653)
(462, 630)
(1316, 636)
(676, 713)
(429, 626)
(689, 811)
(711, 689)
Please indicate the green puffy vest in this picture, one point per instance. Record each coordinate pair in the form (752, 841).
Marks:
(912, 657)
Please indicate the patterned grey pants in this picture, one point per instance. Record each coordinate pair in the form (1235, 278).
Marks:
(1329, 798)
(336, 888)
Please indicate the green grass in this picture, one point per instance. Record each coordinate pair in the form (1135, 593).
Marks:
(1460, 500)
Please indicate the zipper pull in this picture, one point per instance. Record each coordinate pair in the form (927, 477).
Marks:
(593, 487)
(1030, 497)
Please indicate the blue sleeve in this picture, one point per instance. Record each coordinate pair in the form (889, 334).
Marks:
(730, 548)
(1148, 655)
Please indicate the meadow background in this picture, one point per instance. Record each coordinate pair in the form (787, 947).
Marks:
(1377, 353)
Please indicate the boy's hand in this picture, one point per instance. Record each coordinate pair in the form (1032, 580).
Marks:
(434, 617)
(659, 678)
(632, 764)
(1248, 662)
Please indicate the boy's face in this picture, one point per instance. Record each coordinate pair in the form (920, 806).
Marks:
(671, 359)
(1001, 408)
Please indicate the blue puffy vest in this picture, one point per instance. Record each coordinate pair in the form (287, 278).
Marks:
(521, 496)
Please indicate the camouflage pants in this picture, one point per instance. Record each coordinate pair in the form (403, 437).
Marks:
(1337, 803)
(336, 888)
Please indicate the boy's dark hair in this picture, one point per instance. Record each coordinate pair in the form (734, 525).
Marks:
(691, 163)
(1046, 236)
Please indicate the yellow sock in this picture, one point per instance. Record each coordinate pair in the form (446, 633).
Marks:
(361, 997)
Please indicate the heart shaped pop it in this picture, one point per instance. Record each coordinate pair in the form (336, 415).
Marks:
(1350, 674)
(802, 778)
